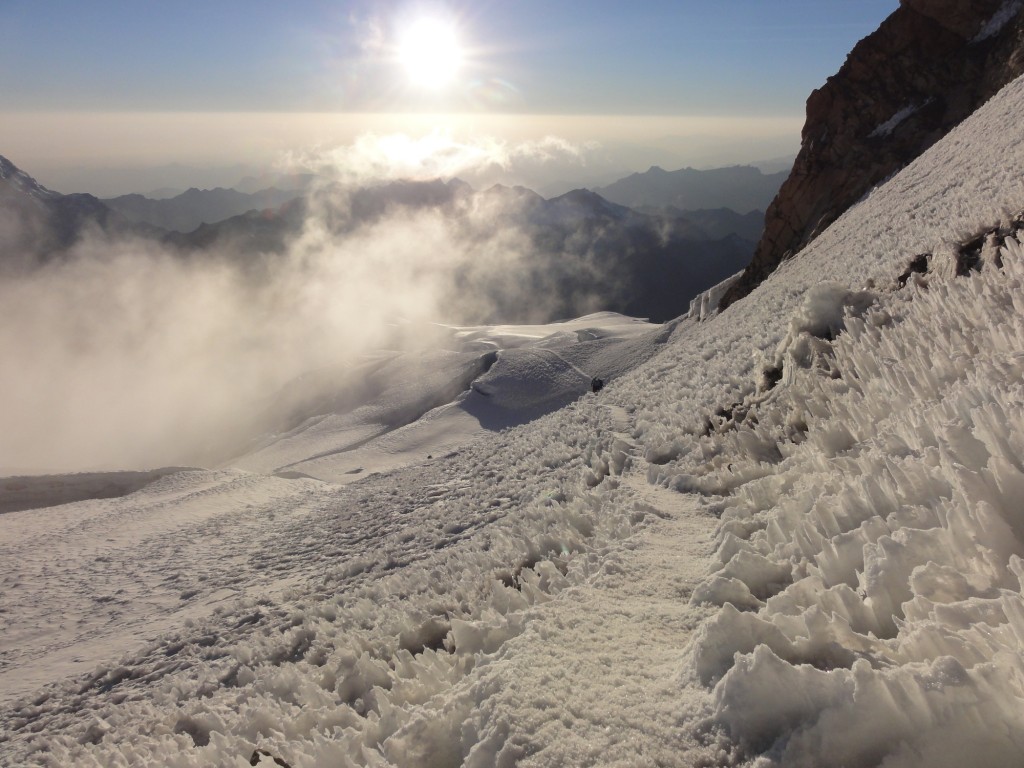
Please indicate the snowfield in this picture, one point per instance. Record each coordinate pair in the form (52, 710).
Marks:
(404, 407)
(790, 534)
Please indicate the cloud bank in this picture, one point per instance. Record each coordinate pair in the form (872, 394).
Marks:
(125, 353)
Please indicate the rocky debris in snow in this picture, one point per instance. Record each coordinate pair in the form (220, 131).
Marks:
(259, 754)
(917, 266)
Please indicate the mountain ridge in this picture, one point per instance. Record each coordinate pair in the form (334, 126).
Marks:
(188, 210)
(41, 224)
(742, 188)
(929, 65)
(569, 254)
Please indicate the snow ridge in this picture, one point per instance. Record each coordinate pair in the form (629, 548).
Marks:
(23, 182)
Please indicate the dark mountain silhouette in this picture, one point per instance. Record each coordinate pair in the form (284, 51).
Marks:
(38, 224)
(190, 209)
(742, 188)
(713, 224)
(584, 252)
(525, 259)
(247, 235)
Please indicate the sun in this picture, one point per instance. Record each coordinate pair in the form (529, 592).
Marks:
(430, 52)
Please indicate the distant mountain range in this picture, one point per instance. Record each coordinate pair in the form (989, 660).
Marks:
(572, 254)
(713, 223)
(713, 203)
(584, 252)
(194, 207)
(289, 182)
(741, 188)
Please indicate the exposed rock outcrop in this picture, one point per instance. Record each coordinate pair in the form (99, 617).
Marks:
(901, 89)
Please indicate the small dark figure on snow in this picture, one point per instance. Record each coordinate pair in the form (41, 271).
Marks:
(596, 384)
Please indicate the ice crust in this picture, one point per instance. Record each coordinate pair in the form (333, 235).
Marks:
(792, 537)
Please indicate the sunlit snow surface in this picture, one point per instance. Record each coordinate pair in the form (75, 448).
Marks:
(629, 580)
(430, 402)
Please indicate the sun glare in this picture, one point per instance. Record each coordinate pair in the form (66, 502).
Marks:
(429, 50)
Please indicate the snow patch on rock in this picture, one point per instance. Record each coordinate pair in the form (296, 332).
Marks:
(1001, 18)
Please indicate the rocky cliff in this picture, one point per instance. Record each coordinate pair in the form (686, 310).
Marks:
(901, 89)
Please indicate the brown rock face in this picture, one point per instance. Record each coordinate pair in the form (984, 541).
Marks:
(901, 89)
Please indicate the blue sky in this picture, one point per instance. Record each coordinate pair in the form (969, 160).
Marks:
(720, 57)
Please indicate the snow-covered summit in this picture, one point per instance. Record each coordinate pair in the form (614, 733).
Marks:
(20, 181)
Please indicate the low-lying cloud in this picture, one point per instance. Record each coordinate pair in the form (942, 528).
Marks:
(124, 353)
(438, 154)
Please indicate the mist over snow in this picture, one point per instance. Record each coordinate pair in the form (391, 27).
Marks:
(131, 356)
(127, 354)
(135, 352)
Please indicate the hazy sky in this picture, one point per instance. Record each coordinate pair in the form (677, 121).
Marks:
(130, 355)
(741, 62)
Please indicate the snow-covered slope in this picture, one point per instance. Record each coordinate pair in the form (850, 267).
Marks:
(404, 407)
(792, 537)
(867, 556)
